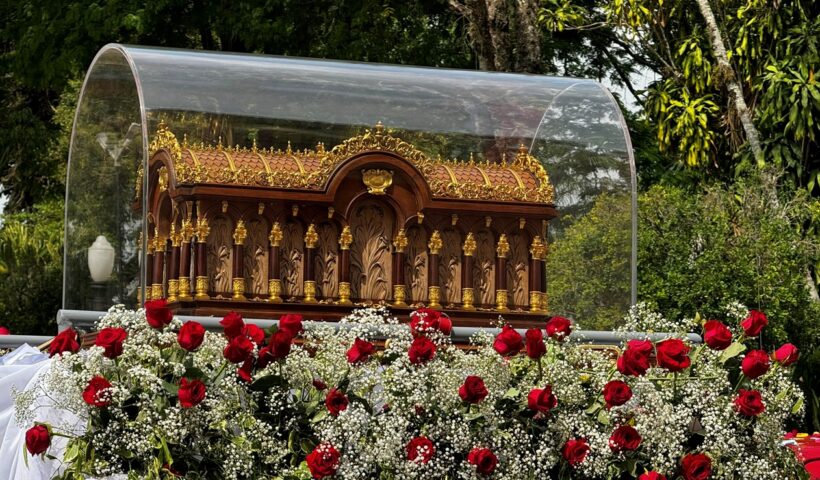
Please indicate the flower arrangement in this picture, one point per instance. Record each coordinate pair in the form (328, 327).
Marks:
(375, 399)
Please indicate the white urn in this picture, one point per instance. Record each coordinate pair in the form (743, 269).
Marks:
(100, 259)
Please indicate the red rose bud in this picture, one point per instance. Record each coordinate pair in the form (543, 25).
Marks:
(426, 320)
(541, 399)
(422, 350)
(291, 323)
(318, 384)
(754, 323)
(238, 349)
(653, 475)
(5, 331)
(111, 339)
(420, 450)
(157, 313)
(484, 460)
(616, 393)
(191, 335)
(635, 359)
(787, 354)
(716, 335)
(696, 466)
(575, 451)
(323, 461)
(191, 393)
(232, 324)
(96, 393)
(65, 341)
(755, 364)
(749, 403)
(559, 328)
(38, 439)
(279, 345)
(473, 390)
(508, 342)
(336, 401)
(624, 438)
(536, 348)
(254, 333)
(246, 370)
(360, 351)
(673, 355)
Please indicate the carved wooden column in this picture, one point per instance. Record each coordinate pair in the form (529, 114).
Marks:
(399, 285)
(159, 266)
(434, 293)
(536, 253)
(542, 279)
(149, 267)
(501, 295)
(345, 240)
(185, 293)
(311, 240)
(467, 291)
(239, 235)
(173, 265)
(201, 258)
(274, 282)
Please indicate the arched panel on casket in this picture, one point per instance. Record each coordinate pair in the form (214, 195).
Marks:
(291, 257)
(450, 267)
(370, 260)
(326, 261)
(484, 268)
(256, 258)
(220, 257)
(415, 265)
(517, 268)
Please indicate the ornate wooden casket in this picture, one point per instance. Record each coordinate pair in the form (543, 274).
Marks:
(371, 221)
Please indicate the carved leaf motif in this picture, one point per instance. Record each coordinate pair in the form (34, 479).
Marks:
(415, 264)
(450, 267)
(256, 258)
(291, 255)
(517, 266)
(326, 261)
(220, 253)
(484, 268)
(370, 253)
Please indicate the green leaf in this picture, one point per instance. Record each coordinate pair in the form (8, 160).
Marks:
(797, 406)
(319, 416)
(732, 351)
(603, 417)
(511, 393)
(593, 408)
(170, 388)
(267, 382)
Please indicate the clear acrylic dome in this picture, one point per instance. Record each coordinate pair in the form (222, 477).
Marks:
(573, 126)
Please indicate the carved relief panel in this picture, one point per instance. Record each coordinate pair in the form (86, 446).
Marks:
(372, 227)
(484, 268)
(415, 265)
(256, 258)
(291, 257)
(449, 267)
(220, 257)
(517, 265)
(326, 261)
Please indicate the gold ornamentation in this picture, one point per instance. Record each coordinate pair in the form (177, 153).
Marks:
(469, 245)
(345, 240)
(310, 292)
(275, 291)
(156, 291)
(467, 299)
(377, 180)
(537, 249)
(503, 248)
(435, 297)
(535, 301)
(543, 303)
(202, 288)
(240, 233)
(420, 217)
(187, 230)
(162, 179)
(148, 295)
(454, 219)
(399, 296)
(344, 293)
(173, 290)
(176, 237)
(501, 300)
(138, 183)
(164, 138)
(435, 243)
(311, 237)
(400, 242)
(185, 289)
(275, 236)
(239, 288)
(202, 230)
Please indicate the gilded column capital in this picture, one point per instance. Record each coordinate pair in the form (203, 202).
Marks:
(503, 248)
(538, 249)
(400, 242)
(240, 233)
(176, 237)
(470, 246)
(345, 239)
(187, 230)
(275, 236)
(435, 243)
(311, 237)
(202, 230)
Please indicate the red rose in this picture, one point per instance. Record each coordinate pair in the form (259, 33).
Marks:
(624, 438)
(473, 390)
(559, 328)
(190, 393)
(653, 475)
(232, 324)
(755, 364)
(696, 466)
(535, 343)
(65, 341)
(291, 323)
(754, 323)
(336, 401)
(318, 384)
(716, 335)
(420, 450)
(422, 350)
(616, 393)
(749, 403)
(426, 320)
(541, 399)
(484, 460)
(254, 333)
(38, 439)
(787, 354)
(673, 355)
(238, 349)
(575, 451)
(96, 393)
(278, 348)
(508, 342)
(111, 340)
(635, 359)
(157, 313)
(323, 461)
(191, 335)
(360, 351)
(246, 370)
(4, 331)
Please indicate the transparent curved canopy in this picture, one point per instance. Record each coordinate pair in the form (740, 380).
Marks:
(572, 125)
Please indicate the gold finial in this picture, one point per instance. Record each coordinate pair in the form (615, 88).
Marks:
(184, 140)
(345, 238)
(435, 243)
(379, 128)
(377, 180)
(219, 142)
(504, 158)
(522, 155)
(240, 233)
(202, 230)
(472, 159)
(503, 247)
(400, 242)
(469, 245)
(164, 138)
(311, 236)
(289, 151)
(162, 179)
(320, 148)
(253, 147)
(275, 236)
(176, 237)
